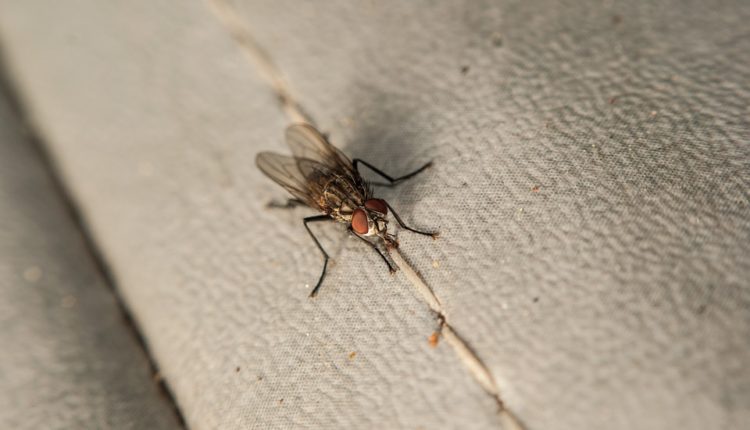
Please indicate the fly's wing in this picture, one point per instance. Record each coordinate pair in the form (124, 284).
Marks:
(307, 143)
(285, 171)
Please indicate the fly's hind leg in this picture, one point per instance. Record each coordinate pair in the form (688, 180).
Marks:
(290, 203)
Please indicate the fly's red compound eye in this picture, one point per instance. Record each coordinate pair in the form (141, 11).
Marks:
(359, 222)
(377, 205)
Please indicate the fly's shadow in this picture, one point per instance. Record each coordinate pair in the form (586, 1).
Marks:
(387, 131)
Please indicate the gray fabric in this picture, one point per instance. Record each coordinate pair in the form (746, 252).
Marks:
(67, 360)
(590, 183)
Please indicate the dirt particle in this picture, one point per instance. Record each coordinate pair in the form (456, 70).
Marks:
(616, 19)
(535, 299)
(68, 302)
(436, 264)
(434, 339)
(237, 369)
(352, 355)
(32, 274)
(497, 40)
(653, 113)
(535, 189)
(464, 70)
(281, 401)
(613, 100)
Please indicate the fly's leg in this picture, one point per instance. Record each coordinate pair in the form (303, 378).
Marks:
(391, 181)
(290, 203)
(391, 268)
(317, 218)
(401, 223)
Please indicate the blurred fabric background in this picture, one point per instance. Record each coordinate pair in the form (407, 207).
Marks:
(590, 182)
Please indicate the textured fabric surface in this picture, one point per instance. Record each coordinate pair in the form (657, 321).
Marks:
(67, 360)
(590, 182)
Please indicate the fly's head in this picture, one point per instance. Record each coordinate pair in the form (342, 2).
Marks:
(370, 220)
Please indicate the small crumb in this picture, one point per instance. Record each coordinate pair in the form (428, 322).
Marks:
(535, 299)
(260, 378)
(613, 100)
(434, 339)
(616, 19)
(145, 169)
(464, 70)
(435, 264)
(653, 113)
(237, 369)
(535, 189)
(68, 302)
(352, 355)
(281, 401)
(32, 274)
(347, 121)
(497, 40)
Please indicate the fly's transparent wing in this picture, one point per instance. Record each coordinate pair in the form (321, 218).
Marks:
(284, 170)
(307, 143)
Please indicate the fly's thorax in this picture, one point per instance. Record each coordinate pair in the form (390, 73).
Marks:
(341, 196)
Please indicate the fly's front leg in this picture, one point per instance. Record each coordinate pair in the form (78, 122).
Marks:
(403, 225)
(317, 218)
(391, 267)
(391, 181)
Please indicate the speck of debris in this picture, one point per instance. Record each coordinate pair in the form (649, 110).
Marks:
(436, 264)
(352, 355)
(653, 113)
(613, 100)
(464, 70)
(237, 369)
(260, 378)
(535, 189)
(32, 274)
(497, 40)
(281, 401)
(616, 19)
(535, 299)
(434, 339)
(68, 302)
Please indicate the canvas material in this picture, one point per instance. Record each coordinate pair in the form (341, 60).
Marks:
(590, 185)
(68, 360)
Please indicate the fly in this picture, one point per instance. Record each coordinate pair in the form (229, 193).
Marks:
(320, 176)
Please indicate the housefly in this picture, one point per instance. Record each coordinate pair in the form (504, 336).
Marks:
(320, 176)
